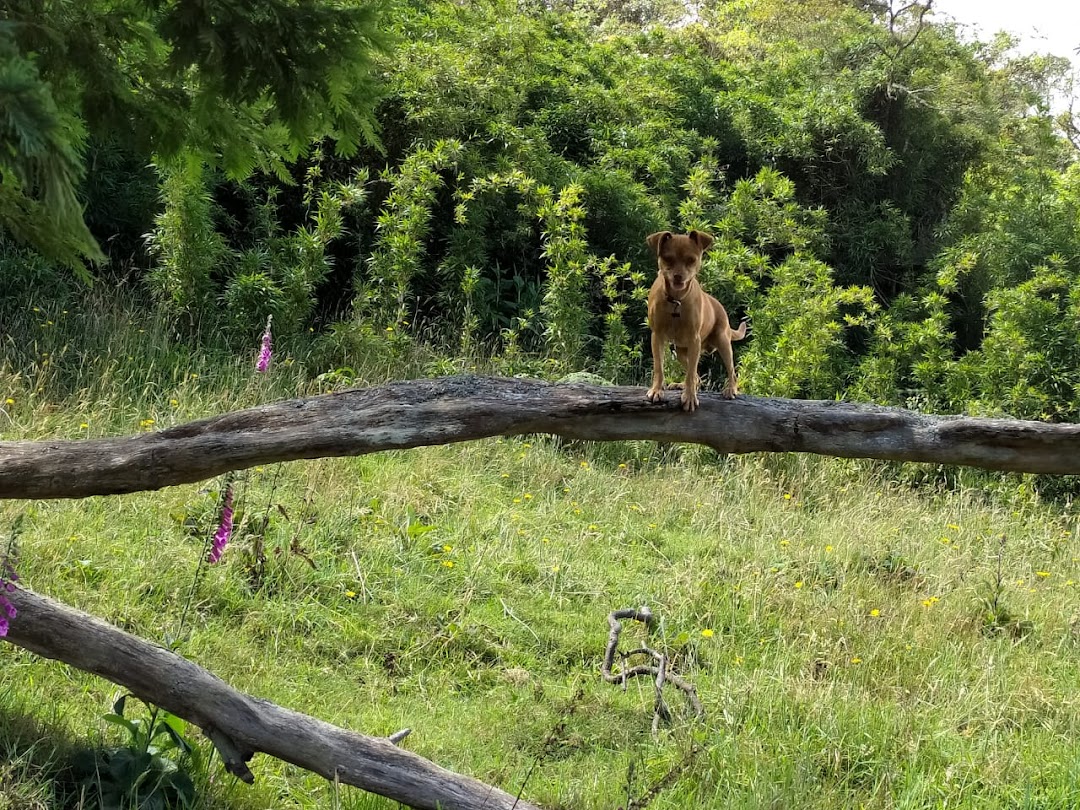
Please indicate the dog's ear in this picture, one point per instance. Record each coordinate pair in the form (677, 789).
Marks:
(655, 240)
(702, 239)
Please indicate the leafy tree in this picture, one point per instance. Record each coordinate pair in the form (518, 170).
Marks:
(239, 84)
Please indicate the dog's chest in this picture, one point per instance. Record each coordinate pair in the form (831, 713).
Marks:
(678, 321)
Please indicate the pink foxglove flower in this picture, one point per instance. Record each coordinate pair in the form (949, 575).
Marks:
(263, 363)
(225, 527)
(8, 578)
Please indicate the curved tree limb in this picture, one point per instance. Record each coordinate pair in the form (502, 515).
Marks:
(659, 671)
(454, 409)
(240, 725)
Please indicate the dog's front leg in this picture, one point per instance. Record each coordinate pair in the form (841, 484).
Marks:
(689, 394)
(656, 392)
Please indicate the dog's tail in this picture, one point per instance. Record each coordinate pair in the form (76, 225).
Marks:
(742, 331)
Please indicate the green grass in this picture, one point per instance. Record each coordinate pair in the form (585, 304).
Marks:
(833, 619)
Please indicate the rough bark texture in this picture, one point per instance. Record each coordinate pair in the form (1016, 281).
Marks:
(238, 724)
(453, 409)
(412, 414)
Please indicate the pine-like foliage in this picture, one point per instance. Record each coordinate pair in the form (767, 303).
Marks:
(242, 84)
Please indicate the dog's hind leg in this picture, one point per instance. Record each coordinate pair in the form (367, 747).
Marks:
(731, 386)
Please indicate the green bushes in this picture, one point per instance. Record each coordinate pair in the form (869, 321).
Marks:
(898, 224)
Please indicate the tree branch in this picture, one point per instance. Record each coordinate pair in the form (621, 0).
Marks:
(240, 725)
(454, 409)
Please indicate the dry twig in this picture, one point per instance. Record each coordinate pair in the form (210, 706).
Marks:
(658, 670)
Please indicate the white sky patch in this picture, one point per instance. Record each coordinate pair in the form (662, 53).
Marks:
(1043, 26)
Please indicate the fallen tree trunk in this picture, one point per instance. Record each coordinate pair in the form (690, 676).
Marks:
(454, 409)
(240, 725)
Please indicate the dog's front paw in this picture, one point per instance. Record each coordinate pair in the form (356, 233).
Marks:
(729, 392)
(689, 400)
(655, 394)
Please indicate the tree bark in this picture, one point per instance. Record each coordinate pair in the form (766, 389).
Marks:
(240, 725)
(453, 409)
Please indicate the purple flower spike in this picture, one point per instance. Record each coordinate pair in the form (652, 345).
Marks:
(8, 578)
(263, 363)
(224, 529)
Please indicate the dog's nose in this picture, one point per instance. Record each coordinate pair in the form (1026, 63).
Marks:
(678, 279)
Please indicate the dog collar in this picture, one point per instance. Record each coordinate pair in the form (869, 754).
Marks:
(675, 304)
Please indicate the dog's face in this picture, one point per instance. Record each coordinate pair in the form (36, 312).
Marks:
(679, 256)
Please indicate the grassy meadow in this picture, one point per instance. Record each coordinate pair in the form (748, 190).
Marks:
(859, 636)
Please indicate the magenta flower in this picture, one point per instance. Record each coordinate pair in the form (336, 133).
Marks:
(263, 363)
(8, 578)
(224, 529)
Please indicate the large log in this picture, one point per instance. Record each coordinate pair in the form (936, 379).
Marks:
(240, 725)
(454, 409)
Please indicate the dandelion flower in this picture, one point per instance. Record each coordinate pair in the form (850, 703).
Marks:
(707, 633)
(787, 496)
(350, 594)
(225, 526)
(448, 563)
(1042, 574)
(856, 660)
(83, 426)
(798, 584)
(266, 350)
(875, 613)
(828, 549)
(9, 401)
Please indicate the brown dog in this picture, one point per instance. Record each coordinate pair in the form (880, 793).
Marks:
(682, 313)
